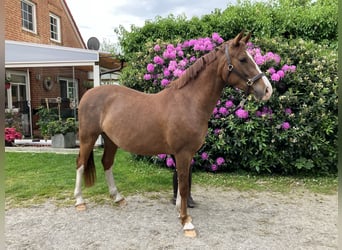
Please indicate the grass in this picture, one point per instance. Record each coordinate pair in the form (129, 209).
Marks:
(32, 178)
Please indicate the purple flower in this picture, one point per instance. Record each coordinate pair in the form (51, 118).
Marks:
(216, 37)
(172, 65)
(214, 167)
(219, 161)
(156, 48)
(288, 111)
(271, 70)
(229, 104)
(275, 77)
(158, 60)
(169, 162)
(217, 131)
(164, 82)
(177, 72)
(281, 73)
(193, 59)
(204, 156)
(223, 111)
(150, 67)
(285, 126)
(241, 113)
(147, 77)
(162, 156)
(180, 53)
(166, 72)
(215, 111)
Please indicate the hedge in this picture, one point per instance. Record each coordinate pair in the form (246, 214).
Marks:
(295, 132)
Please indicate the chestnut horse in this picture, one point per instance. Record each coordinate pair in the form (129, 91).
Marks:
(173, 121)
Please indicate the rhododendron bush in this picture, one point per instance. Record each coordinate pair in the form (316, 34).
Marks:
(293, 132)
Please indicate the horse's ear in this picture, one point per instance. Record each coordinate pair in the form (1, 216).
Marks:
(237, 39)
(246, 38)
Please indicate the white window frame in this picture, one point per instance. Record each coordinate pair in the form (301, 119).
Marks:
(34, 19)
(71, 88)
(9, 91)
(58, 27)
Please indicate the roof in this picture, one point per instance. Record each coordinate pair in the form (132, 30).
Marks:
(22, 54)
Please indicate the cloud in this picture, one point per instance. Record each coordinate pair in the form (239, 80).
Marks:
(99, 18)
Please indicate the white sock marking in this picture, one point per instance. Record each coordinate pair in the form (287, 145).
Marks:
(113, 191)
(78, 186)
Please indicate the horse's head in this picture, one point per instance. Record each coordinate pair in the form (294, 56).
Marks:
(241, 71)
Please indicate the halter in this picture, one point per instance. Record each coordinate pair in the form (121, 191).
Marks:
(231, 69)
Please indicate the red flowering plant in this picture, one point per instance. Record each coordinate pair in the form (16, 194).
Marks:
(10, 135)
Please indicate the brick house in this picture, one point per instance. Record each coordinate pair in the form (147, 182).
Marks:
(46, 58)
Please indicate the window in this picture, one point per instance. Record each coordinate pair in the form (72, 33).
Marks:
(28, 16)
(55, 33)
(69, 89)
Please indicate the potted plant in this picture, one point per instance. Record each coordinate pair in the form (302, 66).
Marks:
(45, 117)
(63, 133)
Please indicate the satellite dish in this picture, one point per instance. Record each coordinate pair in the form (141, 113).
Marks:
(93, 43)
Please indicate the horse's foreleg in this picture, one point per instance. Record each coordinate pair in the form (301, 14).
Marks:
(80, 204)
(108, 161)
(113, 191)
(183, 165)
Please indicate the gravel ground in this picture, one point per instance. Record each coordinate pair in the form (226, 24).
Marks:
(225, 219)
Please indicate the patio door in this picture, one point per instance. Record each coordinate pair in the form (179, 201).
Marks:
(16, 99)
(69, 94)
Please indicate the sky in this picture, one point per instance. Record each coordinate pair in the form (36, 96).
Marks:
(98, 18)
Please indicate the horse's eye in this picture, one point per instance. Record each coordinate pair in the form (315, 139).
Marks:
(243, 60)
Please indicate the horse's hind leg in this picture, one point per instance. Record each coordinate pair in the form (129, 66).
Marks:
(85, 158)
(108, 160)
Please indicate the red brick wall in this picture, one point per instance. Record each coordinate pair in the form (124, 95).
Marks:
(70, 36)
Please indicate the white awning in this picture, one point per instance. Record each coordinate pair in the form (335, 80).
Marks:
(21, 54)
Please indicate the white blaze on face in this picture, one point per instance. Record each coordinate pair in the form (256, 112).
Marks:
(269, 89)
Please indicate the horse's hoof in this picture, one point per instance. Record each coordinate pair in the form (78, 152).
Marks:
(190, 233)
(121, 202)
(81, 207)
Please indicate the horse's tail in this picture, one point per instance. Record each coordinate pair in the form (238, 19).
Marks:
(90, 171)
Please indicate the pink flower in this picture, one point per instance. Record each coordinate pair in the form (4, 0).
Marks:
(288, 111)
(169, 162)
(216, 37)
(241, 113)
(285, 126)
(158, 60)
(193, 59)
(275, 77)
(162, 156)
(219, 161)
(180, 53)
(156, 48)
(204, 156)
(147, 77)
(229, 104)
(214, 167)
(150, 67)
(281, 73)
(223, 111)
(166, 72)
(271, 70)
(215, 111)
(164, 82)
(177, 72)
(217, 131)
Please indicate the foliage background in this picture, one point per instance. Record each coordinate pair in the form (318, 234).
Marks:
(302, 33)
